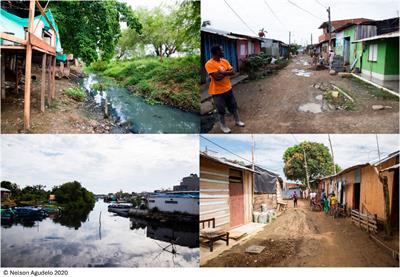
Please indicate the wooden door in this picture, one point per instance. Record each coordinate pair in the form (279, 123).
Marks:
(236, 204)
(356, 196)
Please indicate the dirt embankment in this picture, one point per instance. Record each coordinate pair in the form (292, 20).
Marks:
(63, 116)
(304, 238)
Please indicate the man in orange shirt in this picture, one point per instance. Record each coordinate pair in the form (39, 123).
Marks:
(220, 88)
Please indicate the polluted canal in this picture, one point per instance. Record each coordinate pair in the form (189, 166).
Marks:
(98, 239)
(135, 114)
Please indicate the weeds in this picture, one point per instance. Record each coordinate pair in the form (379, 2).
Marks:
(76, 93)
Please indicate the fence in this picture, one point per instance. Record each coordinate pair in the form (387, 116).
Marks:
(364, 221)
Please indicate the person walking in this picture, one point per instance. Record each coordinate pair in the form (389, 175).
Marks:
(322, 199)
(220, 87)
(294, 196)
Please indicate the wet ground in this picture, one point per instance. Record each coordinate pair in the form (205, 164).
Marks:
(300, 237)
(289, 102)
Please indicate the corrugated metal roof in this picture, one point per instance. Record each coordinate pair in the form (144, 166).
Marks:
(226, 162)
(221, 33)
(388, 35)
(390, 168)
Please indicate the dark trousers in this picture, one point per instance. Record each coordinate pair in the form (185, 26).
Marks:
(225, 101)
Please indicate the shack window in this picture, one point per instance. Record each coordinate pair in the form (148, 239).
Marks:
(171, 202)
(373, 53)
(152, 201)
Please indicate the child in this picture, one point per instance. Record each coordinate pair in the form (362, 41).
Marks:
(326, 205)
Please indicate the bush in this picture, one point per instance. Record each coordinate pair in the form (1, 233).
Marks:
(99, 65)
(76, 93)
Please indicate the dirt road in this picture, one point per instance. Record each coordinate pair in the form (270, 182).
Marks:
(271, 105)
(300, 237)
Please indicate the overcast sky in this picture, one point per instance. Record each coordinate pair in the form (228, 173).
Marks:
(102, 163)
(348, 149)
(257, 15)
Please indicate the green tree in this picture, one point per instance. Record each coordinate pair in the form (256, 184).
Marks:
(91, 29)
(168, 29)
(319, 161)
(35, 193)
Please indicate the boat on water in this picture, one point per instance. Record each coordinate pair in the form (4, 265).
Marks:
(29, 212)
(7, 214)
(120, 208)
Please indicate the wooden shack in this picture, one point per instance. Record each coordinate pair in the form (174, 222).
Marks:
(226, 192)
(26, 39)
(268, 189)
(359, 188)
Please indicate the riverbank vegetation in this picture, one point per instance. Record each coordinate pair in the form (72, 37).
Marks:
(161, 62)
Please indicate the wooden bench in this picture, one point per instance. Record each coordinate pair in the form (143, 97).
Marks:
(282, 206)
(213, 234)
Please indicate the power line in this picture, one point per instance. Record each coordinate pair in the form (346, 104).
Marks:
(319, 3)
(274, 14)
(304, 10)
(229, 151)
(241, 19)
(225, 149)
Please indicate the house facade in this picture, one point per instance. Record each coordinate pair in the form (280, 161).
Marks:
(359, 187)
(226, 192)
(170, 202)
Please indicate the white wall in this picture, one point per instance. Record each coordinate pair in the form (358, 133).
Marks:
(187, 205)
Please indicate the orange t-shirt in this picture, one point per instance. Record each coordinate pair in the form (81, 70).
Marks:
(223, 85)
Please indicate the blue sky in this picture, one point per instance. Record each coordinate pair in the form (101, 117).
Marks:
(102, 163)
(257, 15)
(348, 149)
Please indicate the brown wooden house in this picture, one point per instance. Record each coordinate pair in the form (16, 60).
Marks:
(359, 188)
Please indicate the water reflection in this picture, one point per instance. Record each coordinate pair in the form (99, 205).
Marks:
(102, 240)
(133, 111)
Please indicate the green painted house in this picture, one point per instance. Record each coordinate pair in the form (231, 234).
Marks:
(371, 48)
(380, 57)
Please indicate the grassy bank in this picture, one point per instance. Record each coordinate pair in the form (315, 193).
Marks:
(172, 81)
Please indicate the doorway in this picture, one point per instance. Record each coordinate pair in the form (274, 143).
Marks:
(236, 200)
(346, 50)
(356, 196)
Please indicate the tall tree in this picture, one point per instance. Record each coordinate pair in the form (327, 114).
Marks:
(91, 29)
(319, 161)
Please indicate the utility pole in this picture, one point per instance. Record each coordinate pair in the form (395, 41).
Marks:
(306, 168)
(311, 38)
(377, 146)
(289, 38)
(252, 152)
(206, 150)
(329, 27)
(333, 157)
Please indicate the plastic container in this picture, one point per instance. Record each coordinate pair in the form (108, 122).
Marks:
(255, 216)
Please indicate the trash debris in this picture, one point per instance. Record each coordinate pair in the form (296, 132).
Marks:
(311, 107)
(332, 72)
(255, 249)
(319, 97)
(301, 72)
(378, 107)
(273, 60)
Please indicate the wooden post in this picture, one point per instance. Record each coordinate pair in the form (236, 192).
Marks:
(43, 83)
(17, 76)
(53, 79)
(28, 67)
(62, 68)
(3, 76)
(386, 197)
(49, 81)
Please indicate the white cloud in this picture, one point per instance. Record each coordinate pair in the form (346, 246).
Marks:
(102, 163)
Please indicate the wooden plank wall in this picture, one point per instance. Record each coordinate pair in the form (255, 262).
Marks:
(264, 198)
(248, 196)
(371, 190)
(214, 192)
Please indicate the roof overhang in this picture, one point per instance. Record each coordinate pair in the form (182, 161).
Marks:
(226, 162)
(384, 36)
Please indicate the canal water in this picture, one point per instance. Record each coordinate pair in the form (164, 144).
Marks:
(139, 116)
(116, 242)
